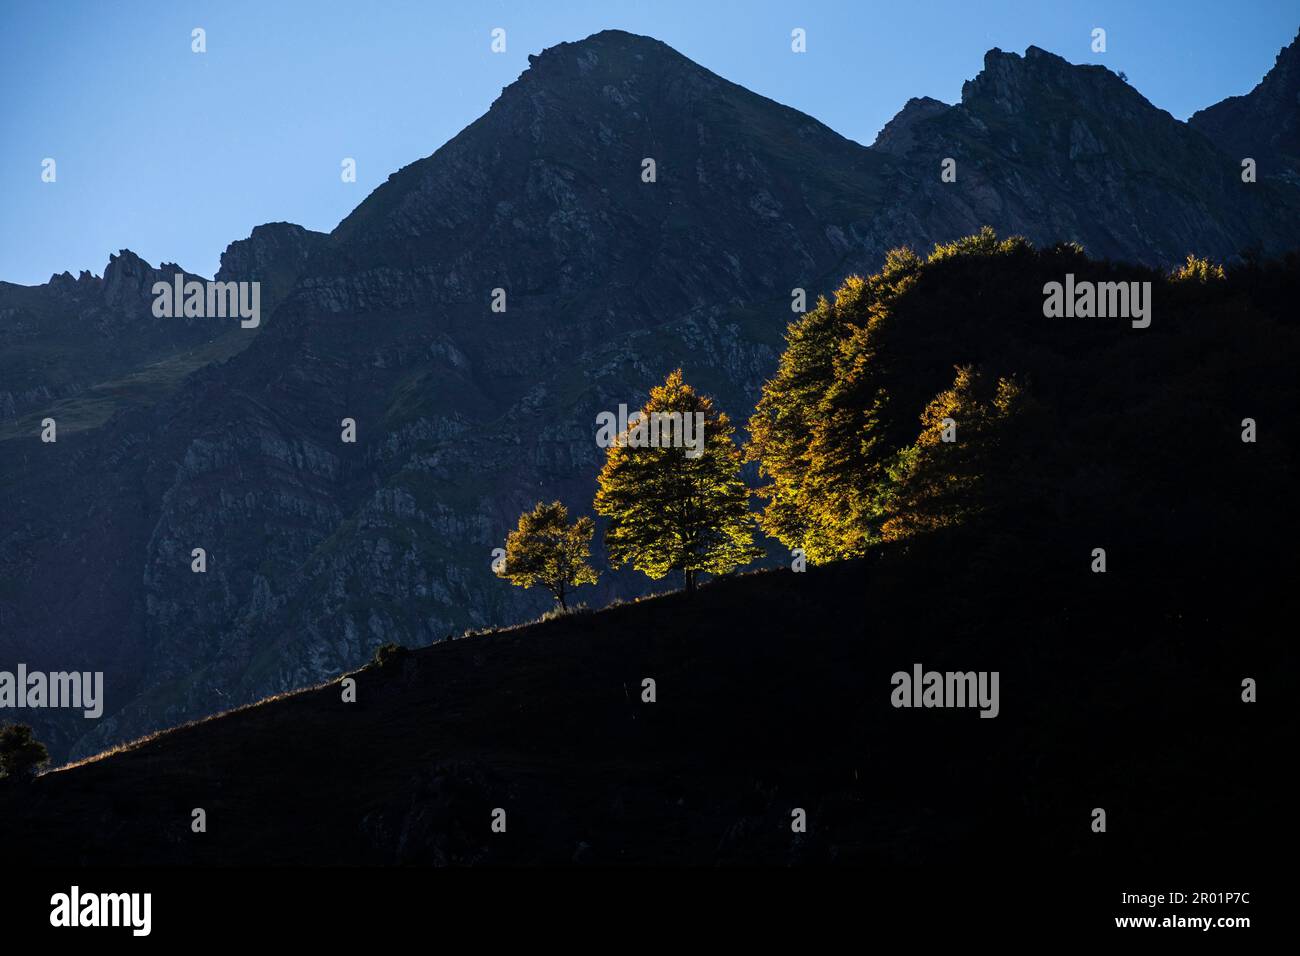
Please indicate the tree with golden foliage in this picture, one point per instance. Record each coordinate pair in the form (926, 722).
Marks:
(671, 507)
(820, 449)
(961, 461)
(831, 425)
(545, 549)
(1198, 270)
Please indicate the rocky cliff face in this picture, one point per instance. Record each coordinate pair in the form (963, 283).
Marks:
(898, 138)
(1265, 123)
(275, 254)
(89, 353)
(320, 550)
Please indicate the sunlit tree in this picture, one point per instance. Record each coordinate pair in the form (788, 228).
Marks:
(672, 507)
(546, 550)
(1199, 270)
(956, 470)
(817, 432)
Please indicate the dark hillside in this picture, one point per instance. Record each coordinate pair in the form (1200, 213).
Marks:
(773, 693)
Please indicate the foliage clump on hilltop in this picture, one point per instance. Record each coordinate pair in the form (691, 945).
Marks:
(1052, 423)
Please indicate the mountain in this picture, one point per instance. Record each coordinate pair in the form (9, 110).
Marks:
(1059, 152)
(319, 551)
(1265, 123)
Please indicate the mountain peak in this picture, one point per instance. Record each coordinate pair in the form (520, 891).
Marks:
(590, 112)
(270, 248)
(899, 134)
(128, 278)
(1264, 124)
(124, 258)
(610, 41)
(1010, 82)
(610, 58)
(1038, 53)
(64, 282)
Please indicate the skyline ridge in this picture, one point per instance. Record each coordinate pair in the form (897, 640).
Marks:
(174, 252)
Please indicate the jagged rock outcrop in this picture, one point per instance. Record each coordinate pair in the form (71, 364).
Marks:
(97, 337)
(898, 136)
(275, 254)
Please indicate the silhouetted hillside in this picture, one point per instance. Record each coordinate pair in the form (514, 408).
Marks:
(773, 693)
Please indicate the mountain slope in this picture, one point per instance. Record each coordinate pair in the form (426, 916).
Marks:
(1263, 124)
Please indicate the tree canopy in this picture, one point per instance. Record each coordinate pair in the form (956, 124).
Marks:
(545, 549)
(1054, 416)
(21, 754)
(673, 511)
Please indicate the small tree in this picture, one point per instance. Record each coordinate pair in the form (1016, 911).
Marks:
(21, 755)
(673, 511)
(1196, 269)
(389, 653)
(545, 549)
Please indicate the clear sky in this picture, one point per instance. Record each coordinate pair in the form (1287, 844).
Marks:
(175, 154)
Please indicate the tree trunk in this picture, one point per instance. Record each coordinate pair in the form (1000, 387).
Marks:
(690, 582)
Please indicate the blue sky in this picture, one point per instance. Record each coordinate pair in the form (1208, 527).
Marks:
(175, 154)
